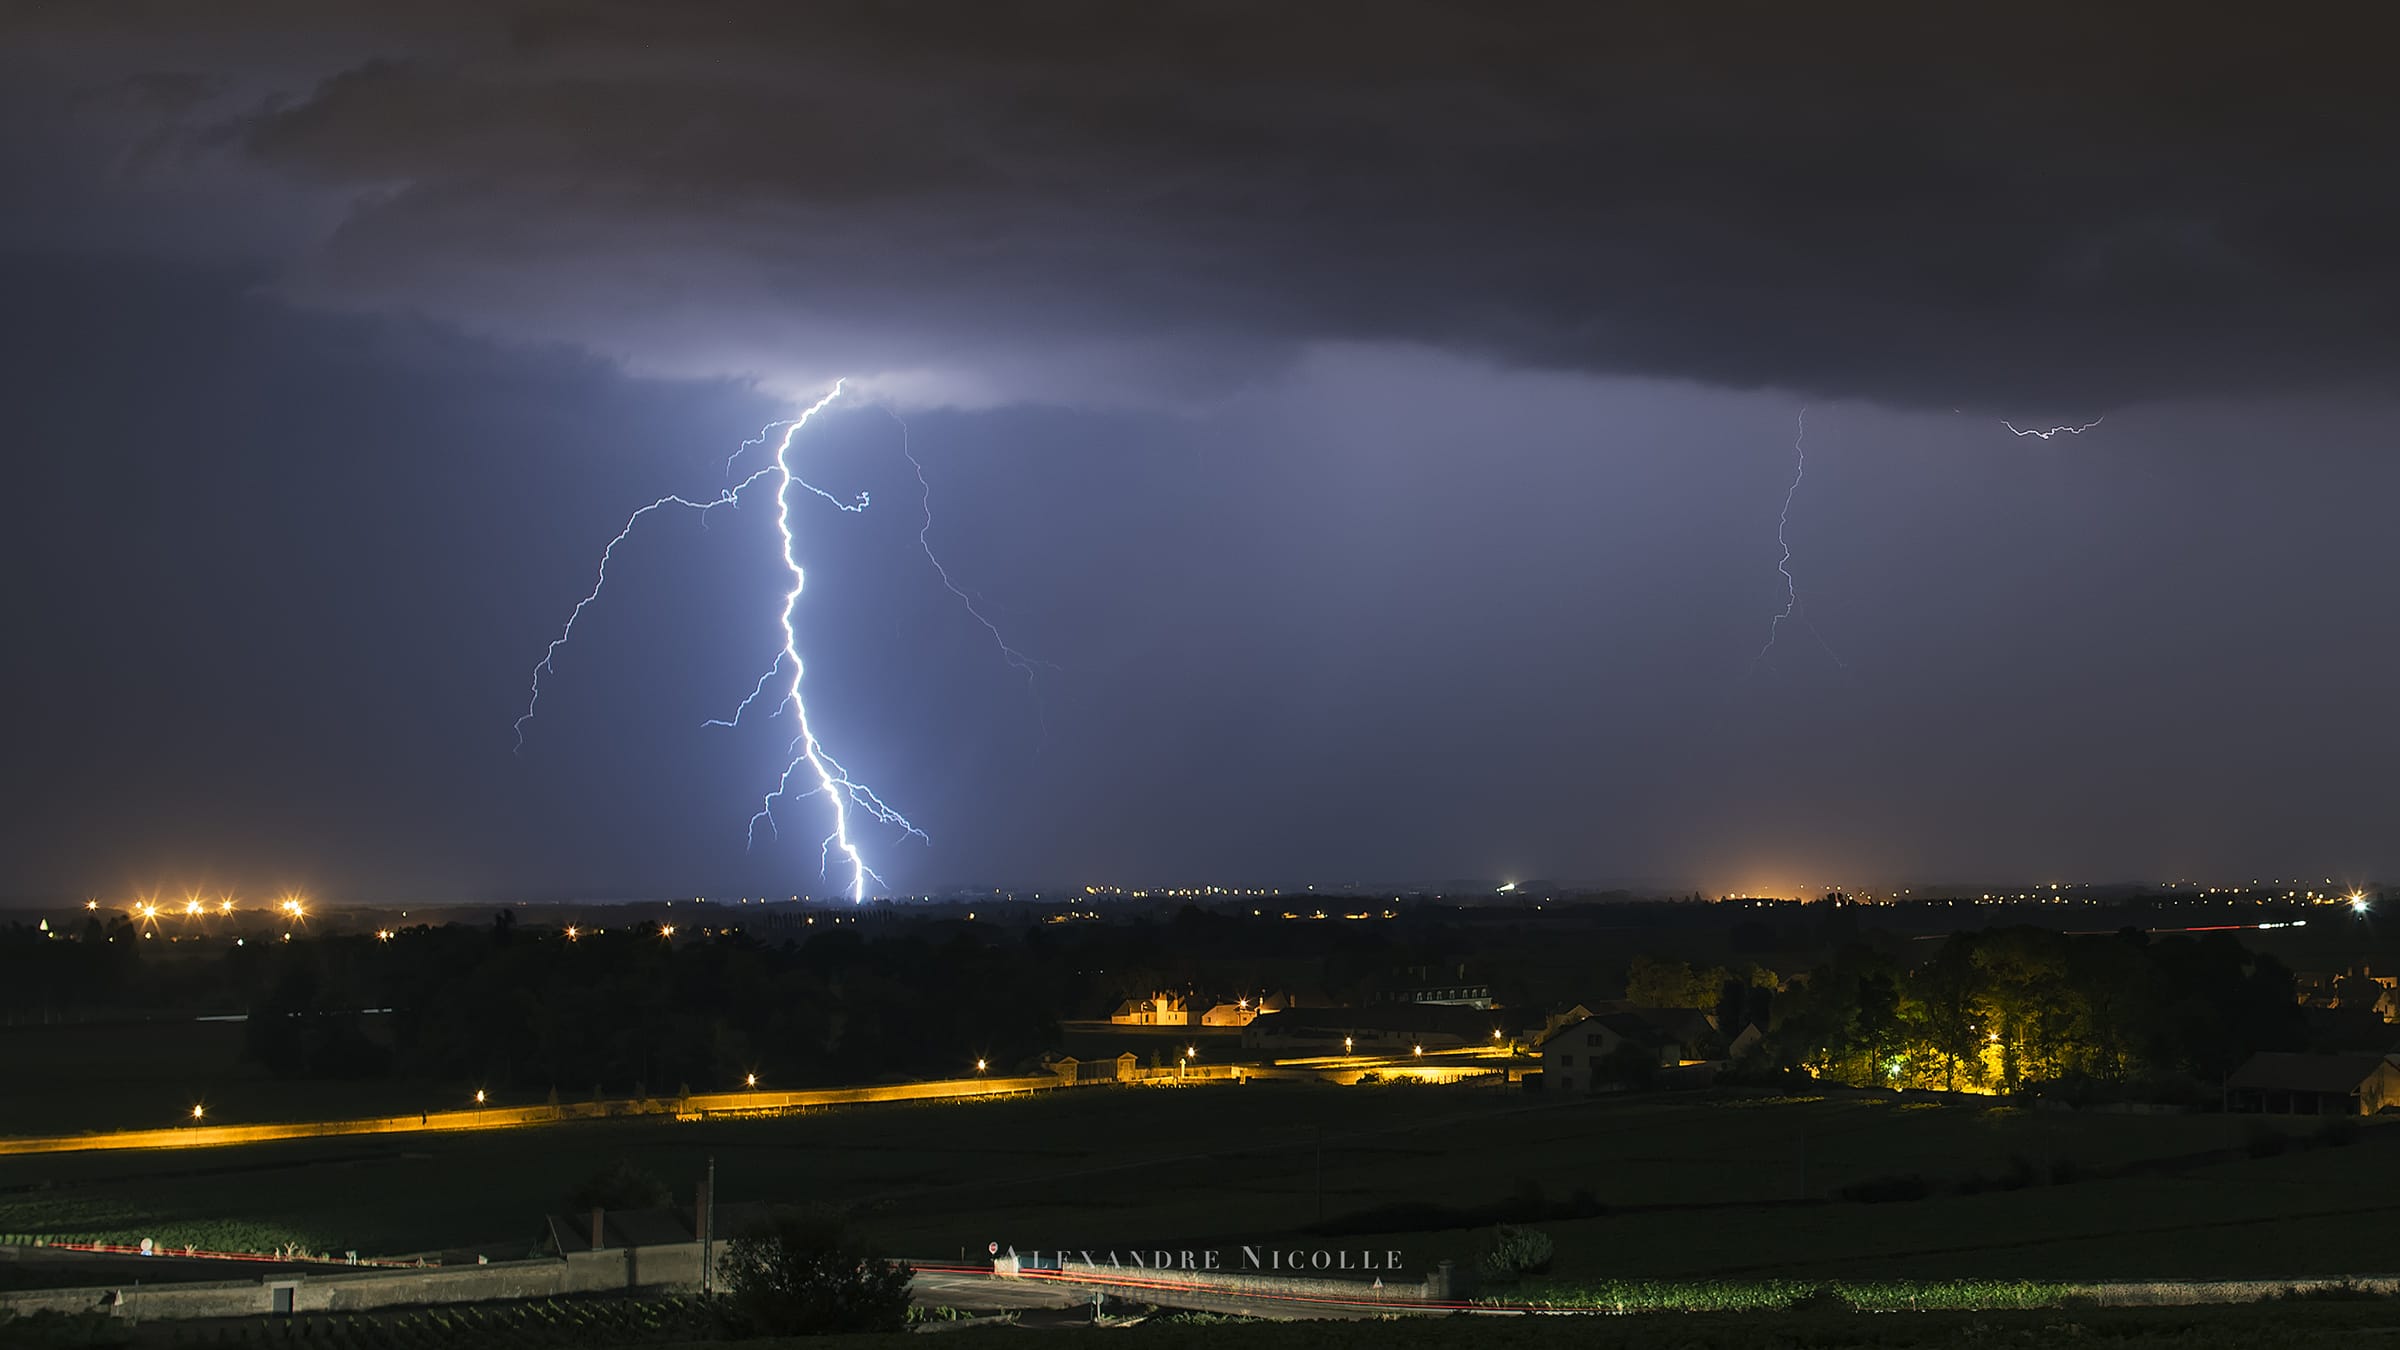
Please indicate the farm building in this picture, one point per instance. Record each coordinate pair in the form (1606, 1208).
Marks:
(2278, 1083)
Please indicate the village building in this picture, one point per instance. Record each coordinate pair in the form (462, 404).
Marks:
(2279, 1083)
(1159, 1010)
(1584, 1054)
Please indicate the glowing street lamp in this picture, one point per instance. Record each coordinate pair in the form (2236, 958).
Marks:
(1346, 1043)
(479, 1096)
(2359, 903)
(1420, 1052)
(981, 1065)
(198, 1110)
(750, 1080)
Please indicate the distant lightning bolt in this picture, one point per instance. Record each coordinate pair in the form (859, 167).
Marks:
(827, 773)
(1791, 587)
(2041, 435)
(1016, 659)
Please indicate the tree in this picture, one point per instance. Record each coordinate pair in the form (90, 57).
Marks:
(1653, 983)
(1513, 1251)
(2354, 990)
(1943, 1011)
(799, 1277)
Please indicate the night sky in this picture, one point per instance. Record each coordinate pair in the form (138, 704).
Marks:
(1378, 414)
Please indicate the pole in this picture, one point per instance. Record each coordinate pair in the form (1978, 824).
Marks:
(708, 1230)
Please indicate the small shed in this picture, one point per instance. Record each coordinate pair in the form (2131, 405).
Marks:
(2278, 1083)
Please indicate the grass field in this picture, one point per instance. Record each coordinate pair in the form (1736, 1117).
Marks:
(2276, 1326)
(1696, 1189)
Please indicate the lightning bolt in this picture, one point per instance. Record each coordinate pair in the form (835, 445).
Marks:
(823, 773)
(2041, 435)
(1017, 660)
(1791, 587)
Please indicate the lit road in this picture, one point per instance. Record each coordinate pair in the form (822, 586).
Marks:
(519, 1117)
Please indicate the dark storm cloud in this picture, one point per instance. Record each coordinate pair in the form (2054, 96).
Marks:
(2021, 208)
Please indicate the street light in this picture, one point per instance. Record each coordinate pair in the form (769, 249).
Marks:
(1345, 1045)
(981, 1065)
(750, 1080)
(479, 1096)
(198, 1110)
(1420, 1050)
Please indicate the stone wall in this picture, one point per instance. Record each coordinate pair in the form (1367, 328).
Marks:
(672, 1266)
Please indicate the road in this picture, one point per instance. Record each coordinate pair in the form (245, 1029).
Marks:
(521, 1117)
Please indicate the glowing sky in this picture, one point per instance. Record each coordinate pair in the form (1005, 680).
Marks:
(1380, 416)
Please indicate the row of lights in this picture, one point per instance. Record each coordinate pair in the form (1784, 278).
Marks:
(195, 907)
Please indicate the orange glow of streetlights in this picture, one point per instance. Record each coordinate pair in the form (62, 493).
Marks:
(750, 1080)
(91, 904)
(981, 1065)
(573, 932)
(666, 930)
(479, 1096)
(198, 1110)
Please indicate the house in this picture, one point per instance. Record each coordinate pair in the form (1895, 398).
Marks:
(1071, 1070)
(1692, 1031)
(1426, 986)
(2278, 1083)
(1571, 1054)
(1159, 1010)
(1745, 1043)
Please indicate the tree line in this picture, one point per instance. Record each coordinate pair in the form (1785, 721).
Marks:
(2011, 1009)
